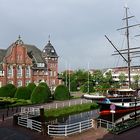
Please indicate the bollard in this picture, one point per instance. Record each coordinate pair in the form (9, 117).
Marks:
(42, 119)
(2, 117)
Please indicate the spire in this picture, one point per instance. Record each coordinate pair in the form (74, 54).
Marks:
(19, 41)
(49, 38)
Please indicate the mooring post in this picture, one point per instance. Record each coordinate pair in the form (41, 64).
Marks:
(42, 119)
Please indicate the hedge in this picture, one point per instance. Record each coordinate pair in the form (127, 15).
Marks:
(47, 88)
(8, 91)
(61, 93)
(31, 86)
(23, 93)
(39, 95)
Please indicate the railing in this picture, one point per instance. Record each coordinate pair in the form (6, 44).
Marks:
(65, 130)
(29, 123)
(105, 124)
(28, 112)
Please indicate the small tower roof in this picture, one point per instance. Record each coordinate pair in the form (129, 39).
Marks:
(49, 50)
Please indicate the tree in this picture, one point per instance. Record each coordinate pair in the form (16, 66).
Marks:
(136, 79)
(23, 93)
(39, 95)
(84, 88)
(122, 79)
(61, 93)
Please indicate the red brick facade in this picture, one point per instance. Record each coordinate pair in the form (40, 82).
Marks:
(20, 68)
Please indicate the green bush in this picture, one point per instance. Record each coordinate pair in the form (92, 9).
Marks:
(31, 86)
(39, 95)
(47, 88)
(23, 93)
(61, 93)
(8, 90)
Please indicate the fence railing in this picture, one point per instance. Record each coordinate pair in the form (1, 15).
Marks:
(105, 124)
(65, 130)
(65, 104)
(29, 123)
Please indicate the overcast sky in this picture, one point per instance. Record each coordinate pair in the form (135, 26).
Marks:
(76, 27)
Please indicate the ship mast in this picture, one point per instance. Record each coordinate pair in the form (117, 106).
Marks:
(128, 47)
(128, 60)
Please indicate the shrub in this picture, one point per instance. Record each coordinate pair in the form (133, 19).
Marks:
(47, 88)
(61, 93)
(31, 86)
(8, 90)
(23, 93)
(39, 95)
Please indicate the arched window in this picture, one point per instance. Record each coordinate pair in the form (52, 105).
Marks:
(10, 71)
(19, 83)
(10, 82)
(19, 71)
(27, 82)
(28, 72)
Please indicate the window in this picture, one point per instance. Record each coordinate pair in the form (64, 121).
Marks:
(27, 82)
(19, 71)
(19, 83)
(28, 72)
(10, 71)
(40, 65)
(10, 82)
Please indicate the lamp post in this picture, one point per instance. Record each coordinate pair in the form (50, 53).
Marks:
(135, 108)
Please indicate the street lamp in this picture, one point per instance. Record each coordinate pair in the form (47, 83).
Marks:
(135, 108)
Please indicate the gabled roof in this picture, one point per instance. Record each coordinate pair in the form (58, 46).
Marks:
(2, 54)
(49, 50)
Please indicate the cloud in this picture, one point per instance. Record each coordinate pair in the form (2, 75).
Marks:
(77, 27)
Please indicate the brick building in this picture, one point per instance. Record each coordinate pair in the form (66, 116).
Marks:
(21, 64)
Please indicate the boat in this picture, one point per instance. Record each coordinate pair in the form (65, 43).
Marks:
(124, 99)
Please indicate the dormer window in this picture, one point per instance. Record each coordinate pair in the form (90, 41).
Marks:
(52, 51)
(40, 64)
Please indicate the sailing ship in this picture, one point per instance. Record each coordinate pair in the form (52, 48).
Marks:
(125, 100)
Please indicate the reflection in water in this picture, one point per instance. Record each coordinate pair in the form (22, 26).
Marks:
(120, 117)
(76, 117)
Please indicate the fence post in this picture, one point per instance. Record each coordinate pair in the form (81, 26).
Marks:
(69, 104)
(80, 127)
(48, 129)
(81, 101)
(65, 130)
(56, 105)
(63, 104)
(42, 118)
(107, 124)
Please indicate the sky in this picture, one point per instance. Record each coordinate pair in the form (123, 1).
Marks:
(76, 28)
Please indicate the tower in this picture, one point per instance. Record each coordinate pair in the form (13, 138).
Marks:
(51, 58)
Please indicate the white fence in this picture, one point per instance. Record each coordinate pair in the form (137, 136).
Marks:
(66, 103)
(65, 130)
(105, 123)
(29, 123)
(28, 112)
